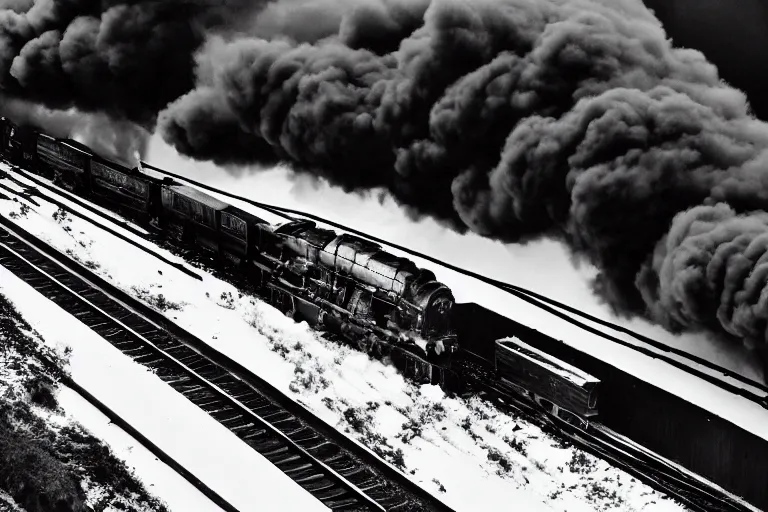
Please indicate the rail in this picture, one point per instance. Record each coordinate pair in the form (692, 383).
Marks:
(149, 445)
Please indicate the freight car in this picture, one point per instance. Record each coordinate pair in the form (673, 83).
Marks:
(125, 189)
(19, 143)
(338, 283)
(556, 386)
(67, 163)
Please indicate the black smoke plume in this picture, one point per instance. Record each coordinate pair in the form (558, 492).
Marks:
(733, 39)
(127, 58)
(100, 70)
(517, 119)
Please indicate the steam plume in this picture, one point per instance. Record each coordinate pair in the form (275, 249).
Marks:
(517, 119)
(120, 60)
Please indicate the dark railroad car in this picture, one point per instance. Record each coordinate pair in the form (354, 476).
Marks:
(554, 384)
(192, 216)
(126, 189)
(22, 145)
(655, 418)
(68, 164)
(239, 235)
(5, 137)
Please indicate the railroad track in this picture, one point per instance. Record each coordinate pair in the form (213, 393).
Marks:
(664, 476)
(332, 468)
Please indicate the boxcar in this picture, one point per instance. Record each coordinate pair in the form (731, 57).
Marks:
(68, 164)
(553, 384)
(22, 146)
(125, 188)
(5, 137)
(239, 234)
(191, 215)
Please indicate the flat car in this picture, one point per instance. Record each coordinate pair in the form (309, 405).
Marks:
(560, 388)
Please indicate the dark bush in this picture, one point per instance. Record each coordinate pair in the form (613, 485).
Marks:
(33, 477)
(96, 461)
(41, 392)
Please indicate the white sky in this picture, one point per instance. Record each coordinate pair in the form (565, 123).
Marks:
(543, 267)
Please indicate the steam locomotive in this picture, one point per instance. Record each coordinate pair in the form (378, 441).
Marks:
(344, 285)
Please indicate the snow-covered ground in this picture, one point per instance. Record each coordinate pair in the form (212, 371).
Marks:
(39, 408)
(176, 492)
(465, 452)
(195, 440)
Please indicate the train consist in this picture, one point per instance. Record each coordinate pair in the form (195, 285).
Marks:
(339, 283)
(357, 293)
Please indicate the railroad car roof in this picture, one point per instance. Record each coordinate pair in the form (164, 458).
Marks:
(116, 166)
(201, 197)
(240, 214)
(77, 145)
(541, 358)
